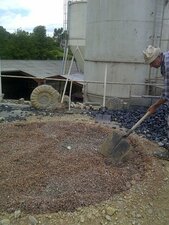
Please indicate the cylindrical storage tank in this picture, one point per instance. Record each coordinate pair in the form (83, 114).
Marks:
(117, 33)
(164, 42)
(77, 30)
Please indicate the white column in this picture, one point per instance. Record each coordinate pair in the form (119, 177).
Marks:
(104, 90)
(0, 83)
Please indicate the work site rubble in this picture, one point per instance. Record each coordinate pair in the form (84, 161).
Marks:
(52, 172)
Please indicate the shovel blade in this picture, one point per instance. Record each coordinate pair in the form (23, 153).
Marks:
(109, 144)
(120, 150)
(115, 147)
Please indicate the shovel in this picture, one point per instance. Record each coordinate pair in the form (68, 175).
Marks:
(116, 146)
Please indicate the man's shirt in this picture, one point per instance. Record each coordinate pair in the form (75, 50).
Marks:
(165, 74)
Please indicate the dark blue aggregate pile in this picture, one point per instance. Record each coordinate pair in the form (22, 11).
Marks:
(153, 128)
(24, 112)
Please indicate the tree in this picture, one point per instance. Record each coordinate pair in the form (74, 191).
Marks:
(40, 32)
(57, 33)
(60, 36)
(40, 41)
(24, 45)
(21, 45)
(4, 37)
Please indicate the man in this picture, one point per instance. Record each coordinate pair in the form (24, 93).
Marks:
(155, 58)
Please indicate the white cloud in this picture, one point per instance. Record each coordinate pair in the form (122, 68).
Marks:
(27, 14)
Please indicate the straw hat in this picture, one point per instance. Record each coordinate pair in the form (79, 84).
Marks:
(151, 53)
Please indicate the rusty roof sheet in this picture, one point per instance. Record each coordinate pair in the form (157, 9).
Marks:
(36, 68)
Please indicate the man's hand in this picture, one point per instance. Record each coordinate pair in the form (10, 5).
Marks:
(152, 109)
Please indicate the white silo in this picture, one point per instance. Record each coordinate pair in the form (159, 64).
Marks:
(162, 24)
(117, 33)
(76, 25)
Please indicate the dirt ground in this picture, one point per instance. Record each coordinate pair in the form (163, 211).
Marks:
(51, 172)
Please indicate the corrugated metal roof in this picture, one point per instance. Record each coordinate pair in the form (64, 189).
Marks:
(78, 77)
(36, 68)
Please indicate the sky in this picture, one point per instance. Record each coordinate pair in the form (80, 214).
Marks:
(27, 14)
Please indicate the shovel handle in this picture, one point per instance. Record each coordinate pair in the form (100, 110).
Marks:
(138, 123)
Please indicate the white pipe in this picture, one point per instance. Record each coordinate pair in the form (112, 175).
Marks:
(67, 79)
(65, 61)
(82, 81)
(68, 74)
(105, 82)
(70, 93)
(80, 53)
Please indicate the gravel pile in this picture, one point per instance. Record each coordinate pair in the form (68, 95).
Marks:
(153, 128)
(55, 166)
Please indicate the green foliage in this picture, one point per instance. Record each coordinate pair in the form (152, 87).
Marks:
(35, 45)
